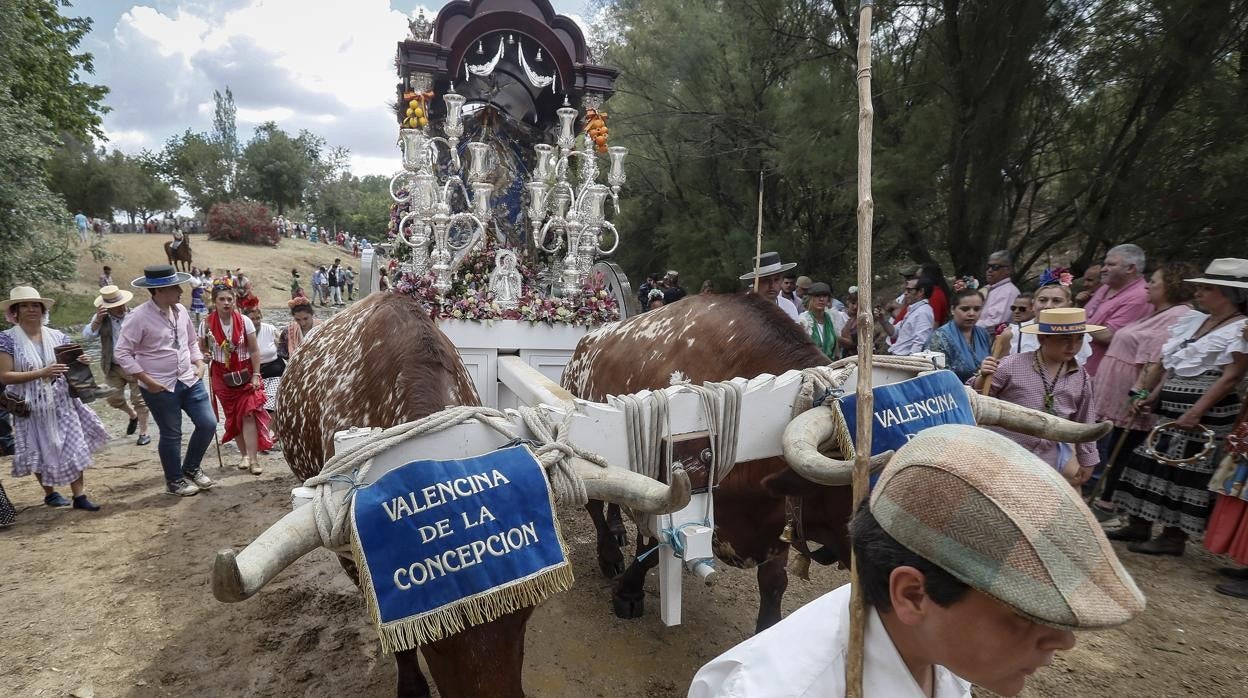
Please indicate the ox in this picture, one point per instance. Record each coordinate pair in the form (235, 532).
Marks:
(715, 338)
(380, 363)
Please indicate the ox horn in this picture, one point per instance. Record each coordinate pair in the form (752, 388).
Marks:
(801, 449)
(634, 490)
(236, 576)
(1024, 420)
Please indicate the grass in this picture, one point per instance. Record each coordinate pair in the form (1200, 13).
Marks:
(72, 311)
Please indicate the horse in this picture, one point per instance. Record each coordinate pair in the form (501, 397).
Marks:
(180, 258)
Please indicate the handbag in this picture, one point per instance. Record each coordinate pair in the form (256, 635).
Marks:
(15, 405)
(236, 379)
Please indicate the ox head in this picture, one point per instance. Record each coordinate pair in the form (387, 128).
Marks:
(816, 426)
(237, 576)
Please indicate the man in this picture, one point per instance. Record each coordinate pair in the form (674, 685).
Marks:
(672, 290)
(788, 290)
(643, 292)
(334, 280)
(769, 271)
(1000, 292)
(1091, 281)
(318, 285)
(111, 312)
(910, 335)
(1021, 309)
(1121, 299)
(348, 280)
(106, 278)
(158, 346)
(801, 287)
(80, 222)
(965, 582)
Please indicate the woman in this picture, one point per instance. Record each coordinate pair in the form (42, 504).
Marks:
(198, 308)
(964, 344)
(303, 322)
(296, 288)
(822, 324)
(7, 513)
(272, 366)
(57, 436)
(1228, 525)
(1132, 348)
(1050, 380)
(941, 293)
(1204, 359)
(654, 299)
(230, 338)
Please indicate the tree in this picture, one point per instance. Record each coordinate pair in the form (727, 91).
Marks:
(78, 172)
(41, 97)
(275, 168)
(198, 166)
(138, 188)
(225, 133)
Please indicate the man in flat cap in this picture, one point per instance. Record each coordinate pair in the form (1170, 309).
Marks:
(976, 560)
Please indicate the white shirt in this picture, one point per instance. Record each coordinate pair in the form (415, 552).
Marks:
(1024, 342)
(787, 306)
(914, 329)
(266, 339)
(803, 656)
(218, 354)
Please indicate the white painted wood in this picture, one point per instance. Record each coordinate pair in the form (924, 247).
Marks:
(530, 385)
(549, 361)
(512, 335)
(482, 365)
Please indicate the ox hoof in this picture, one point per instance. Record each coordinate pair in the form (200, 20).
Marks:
(627, 608)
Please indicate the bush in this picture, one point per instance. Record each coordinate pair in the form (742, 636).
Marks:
(242, 221)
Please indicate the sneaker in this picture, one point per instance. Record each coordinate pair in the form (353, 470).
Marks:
(201, 480)
(244, 464)
(255, 467)
(143, 440)
(182, 488)
(56, 499)
(81, 502)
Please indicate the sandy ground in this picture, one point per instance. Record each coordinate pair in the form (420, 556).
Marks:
(118, 603)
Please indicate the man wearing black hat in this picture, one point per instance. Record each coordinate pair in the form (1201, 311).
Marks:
(769, 271)
(158, 346)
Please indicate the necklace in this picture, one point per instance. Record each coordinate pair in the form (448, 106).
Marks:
(1198, 335)
(1049, 388)
(172, 325)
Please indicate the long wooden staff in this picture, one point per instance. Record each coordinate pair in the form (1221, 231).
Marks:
(758, 236)
(866, 347)
(1000, 347)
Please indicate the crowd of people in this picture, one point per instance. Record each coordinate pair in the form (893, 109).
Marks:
(1130, 346)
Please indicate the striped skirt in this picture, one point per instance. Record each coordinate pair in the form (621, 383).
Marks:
(1178, 495)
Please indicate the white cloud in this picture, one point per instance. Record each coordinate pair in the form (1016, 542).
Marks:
(247, 115)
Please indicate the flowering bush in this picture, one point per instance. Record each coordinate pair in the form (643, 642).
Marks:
(242, 221)
(470, 297)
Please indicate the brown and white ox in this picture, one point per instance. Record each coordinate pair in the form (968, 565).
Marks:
(715, 338)
(379, 363)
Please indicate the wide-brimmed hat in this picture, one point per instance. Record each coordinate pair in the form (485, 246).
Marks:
(768, 264)
(1061, 321)
(1004, 522)
(159, 276)
(26, 294)
(111, 297)
(819, 289)
(1228, 271)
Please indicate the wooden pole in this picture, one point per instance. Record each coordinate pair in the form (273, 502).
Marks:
(758, 236)
(866, 347)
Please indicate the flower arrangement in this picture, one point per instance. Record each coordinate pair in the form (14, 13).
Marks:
(470, 297)
(1060, 276)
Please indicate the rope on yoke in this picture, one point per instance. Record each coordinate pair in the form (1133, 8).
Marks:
(553, 451)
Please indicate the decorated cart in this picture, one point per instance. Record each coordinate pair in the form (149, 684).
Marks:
(500, 230)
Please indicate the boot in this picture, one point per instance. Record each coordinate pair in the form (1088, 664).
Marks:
(1168, 543)
(1137, 530)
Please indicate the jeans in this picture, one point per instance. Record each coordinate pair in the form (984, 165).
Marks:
(167, 408)
(335, 295)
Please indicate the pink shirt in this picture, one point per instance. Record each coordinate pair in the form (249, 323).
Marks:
(146, 344)
(996, 310)
(1128, 305)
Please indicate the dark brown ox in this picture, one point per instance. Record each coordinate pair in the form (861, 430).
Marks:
(715, 338)
(380, 363)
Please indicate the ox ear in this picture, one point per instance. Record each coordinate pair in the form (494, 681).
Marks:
(788, 483)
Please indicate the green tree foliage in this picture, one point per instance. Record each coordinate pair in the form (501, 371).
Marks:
(1053, 129)
(358, 204)
(138, 189)
(276, 168)
(79, 174)
(41, 97)
(225, 132)
(196, 164)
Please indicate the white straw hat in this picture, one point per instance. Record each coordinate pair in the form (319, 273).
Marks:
(26, 294)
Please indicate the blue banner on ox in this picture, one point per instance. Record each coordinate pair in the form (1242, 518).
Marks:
(434, 533)
(904, 409)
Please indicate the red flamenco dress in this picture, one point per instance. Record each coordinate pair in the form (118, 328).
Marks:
(1227, 532)
(246, 399)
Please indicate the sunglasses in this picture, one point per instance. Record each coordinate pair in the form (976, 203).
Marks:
(994, 267)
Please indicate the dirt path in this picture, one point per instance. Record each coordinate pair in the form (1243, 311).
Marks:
(119, 602)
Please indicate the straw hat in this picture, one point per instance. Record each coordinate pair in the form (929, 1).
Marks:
(1061, 321)
(26, 294)
(769, 264)
(1004, 522)
(1227, 271)
(111, 297)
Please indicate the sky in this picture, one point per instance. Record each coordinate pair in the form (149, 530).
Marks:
(323, 65)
